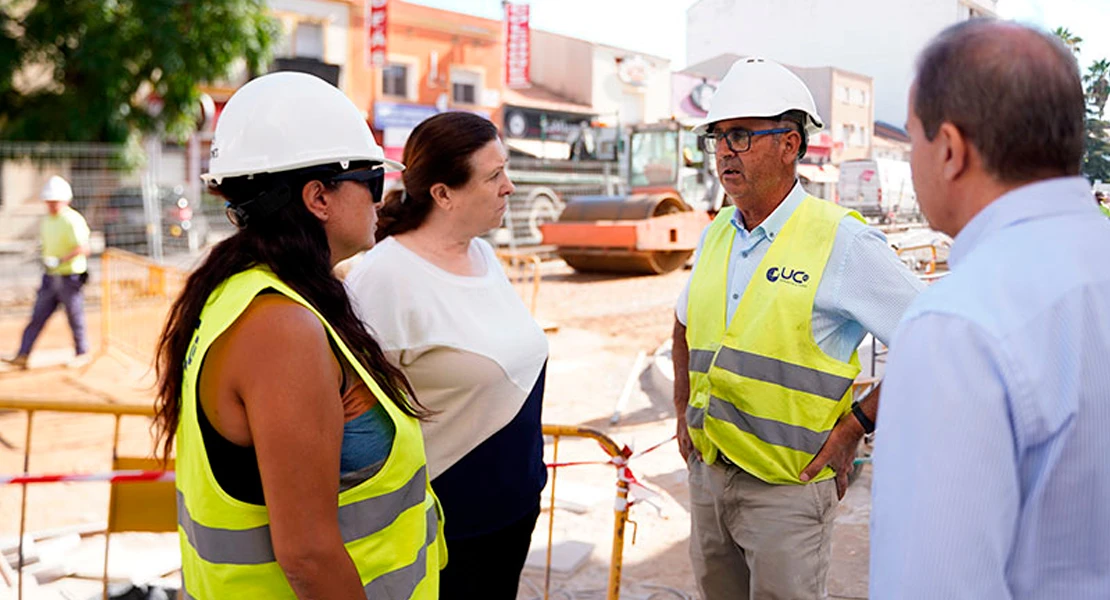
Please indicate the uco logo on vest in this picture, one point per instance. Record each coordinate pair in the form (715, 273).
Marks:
(788, 275)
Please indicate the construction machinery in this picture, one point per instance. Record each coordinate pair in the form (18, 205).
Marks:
(653, 229)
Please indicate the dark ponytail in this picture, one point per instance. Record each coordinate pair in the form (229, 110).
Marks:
(438, 151)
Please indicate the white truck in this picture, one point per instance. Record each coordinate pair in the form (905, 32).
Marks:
(879, 188)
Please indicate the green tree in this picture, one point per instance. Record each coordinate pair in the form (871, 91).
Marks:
(1096, 159)
(111, 70)
(1070, 40)
(1096, 81)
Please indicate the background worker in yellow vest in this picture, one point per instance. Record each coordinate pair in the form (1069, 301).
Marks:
(65, 246)
(1100, 198)
(784, 289)
(300, 462)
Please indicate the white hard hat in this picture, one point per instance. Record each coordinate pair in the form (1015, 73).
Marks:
(285, 121)
(759, 88)
(56, 190)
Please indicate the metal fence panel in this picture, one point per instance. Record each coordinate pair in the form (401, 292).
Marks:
(135, 198)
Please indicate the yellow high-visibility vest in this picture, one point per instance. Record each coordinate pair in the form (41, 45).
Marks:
(761, 391)
(391, 523)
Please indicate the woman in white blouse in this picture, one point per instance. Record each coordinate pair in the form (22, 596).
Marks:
(445, 313)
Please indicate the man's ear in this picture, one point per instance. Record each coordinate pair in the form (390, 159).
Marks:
(315, 200)
(441, 195)
(791, 143)
(955, 151)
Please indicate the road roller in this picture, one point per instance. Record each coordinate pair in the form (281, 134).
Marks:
(655, 228)
(641, 233)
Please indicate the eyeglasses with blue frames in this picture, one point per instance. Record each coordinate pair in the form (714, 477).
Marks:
(738, 140)
(373, 178)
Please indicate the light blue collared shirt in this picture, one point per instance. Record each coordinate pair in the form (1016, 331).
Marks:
(864, 288)
(992, 465)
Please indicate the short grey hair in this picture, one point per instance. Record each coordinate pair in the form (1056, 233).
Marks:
(798, 119)
(1013, 91)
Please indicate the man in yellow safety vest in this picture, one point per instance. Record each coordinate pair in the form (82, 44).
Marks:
(785, 288)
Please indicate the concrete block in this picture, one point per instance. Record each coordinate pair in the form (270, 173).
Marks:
(566, 556)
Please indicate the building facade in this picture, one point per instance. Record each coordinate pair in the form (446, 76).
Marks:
(436, 61)
(890, 142)
(578, 85)
(619, 84)
(844, 101)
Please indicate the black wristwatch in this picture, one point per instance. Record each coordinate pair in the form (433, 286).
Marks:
(864, 421)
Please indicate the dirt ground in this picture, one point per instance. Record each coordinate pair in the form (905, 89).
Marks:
(603, 323)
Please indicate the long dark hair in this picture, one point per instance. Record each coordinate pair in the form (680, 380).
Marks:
(292, 243)
(438, 151)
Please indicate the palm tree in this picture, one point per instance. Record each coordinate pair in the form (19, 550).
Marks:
(1097, 81)
(1070, 40)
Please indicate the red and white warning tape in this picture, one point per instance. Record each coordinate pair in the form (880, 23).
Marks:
(624, 473)
(109, 477)
(619, 461)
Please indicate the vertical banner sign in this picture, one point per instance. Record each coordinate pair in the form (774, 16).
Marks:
(518, 42)
(376, 31)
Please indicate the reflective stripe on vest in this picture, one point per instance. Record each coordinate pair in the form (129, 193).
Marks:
(395, 584)
(770, 431)
(402, 582)
(795, 377)
(759, 392)
(253, 546)
(390, 524)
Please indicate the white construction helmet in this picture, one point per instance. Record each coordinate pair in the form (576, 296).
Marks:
(285, 121)
(759, 88)
(56, 190)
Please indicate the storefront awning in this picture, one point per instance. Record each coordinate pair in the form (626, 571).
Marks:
(540, 98)
(819, 173)
(539, 149)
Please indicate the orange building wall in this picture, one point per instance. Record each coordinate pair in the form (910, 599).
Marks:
(415, 32)
(359, 78)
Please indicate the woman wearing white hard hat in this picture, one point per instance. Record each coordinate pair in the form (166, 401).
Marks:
(300, 464)
(65, 246)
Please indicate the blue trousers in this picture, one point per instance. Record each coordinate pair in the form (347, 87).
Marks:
(55, 290)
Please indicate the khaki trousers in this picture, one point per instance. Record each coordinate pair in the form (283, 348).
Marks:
(751, 540)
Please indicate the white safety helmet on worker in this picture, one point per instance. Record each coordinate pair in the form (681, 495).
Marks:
(285, 121)
(57, 189)
(759, 88)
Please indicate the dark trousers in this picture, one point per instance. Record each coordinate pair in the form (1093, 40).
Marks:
(55, 290)
(488, 566)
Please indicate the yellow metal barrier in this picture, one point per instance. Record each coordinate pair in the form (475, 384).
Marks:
(148, 507)
(136, 294)
(521, 269)
(32, 405)
(931, 266)
(620, 509)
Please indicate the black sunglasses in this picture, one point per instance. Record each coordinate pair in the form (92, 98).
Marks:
(373, 178)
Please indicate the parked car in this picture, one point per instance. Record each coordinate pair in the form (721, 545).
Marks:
(125, 223)
(879, 188)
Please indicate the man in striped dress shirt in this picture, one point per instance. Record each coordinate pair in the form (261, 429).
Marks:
(992, 464)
